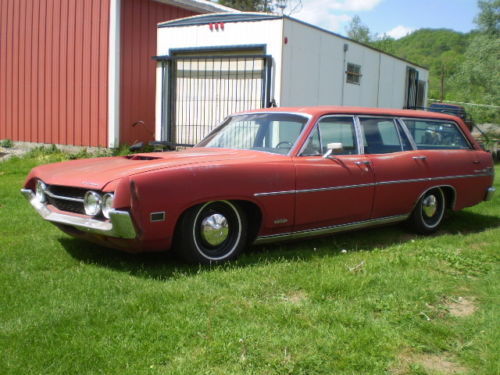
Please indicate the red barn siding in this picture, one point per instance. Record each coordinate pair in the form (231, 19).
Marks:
(54, 71)
(138, 71)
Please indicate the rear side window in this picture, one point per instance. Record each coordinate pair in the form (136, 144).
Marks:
(436, 135)
(382, 136)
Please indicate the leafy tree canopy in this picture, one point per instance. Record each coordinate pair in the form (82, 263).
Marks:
(358, 31)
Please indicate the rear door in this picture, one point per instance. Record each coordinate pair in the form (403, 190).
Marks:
(400, 174)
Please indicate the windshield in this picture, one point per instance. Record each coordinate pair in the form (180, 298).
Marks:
(269, 132)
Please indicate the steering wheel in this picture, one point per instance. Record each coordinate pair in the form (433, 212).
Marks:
(284, 143)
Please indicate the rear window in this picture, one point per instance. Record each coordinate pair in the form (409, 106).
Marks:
(435, 135)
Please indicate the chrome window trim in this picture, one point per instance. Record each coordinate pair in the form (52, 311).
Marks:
(359, 135)
(407, 132)
(390, 182)
(316, 126)
(458, 127)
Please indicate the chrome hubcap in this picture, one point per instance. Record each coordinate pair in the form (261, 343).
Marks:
(429, 205)
(214, 229)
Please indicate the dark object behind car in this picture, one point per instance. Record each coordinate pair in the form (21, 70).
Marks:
(452, 109)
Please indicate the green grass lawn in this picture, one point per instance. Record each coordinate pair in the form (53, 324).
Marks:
(380, 301)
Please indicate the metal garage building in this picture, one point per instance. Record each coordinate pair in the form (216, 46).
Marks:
(231, 62)
(79, 72)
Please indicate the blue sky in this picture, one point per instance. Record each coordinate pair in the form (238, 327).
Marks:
(393, 17)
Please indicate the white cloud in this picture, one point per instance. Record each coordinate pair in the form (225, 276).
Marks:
(328, 13)
(354, 5)
(399, 32)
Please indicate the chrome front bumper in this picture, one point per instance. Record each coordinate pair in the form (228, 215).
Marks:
(119, 225)
(490, 192)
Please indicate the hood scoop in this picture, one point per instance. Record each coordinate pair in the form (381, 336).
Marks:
(142, 157)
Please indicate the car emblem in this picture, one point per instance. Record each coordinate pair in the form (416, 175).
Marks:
(90, 183)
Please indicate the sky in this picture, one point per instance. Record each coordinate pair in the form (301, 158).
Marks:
(395, 18)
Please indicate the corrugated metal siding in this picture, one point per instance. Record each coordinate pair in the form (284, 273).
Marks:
(54, 71)
(138, 71)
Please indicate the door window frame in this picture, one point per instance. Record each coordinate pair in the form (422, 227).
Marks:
(400, 127)
(316, 127)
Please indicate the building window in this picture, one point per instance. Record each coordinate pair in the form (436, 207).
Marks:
(353, 73)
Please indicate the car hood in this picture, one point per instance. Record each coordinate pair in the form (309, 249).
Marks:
(98, 172)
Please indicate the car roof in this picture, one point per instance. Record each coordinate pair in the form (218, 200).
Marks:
(324, 110)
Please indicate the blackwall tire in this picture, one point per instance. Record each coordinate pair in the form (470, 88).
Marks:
(211, 233)
(429, 212)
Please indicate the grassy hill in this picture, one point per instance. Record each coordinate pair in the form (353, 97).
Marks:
(440, 50)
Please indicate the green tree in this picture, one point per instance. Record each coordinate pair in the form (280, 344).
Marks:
(478, 78)
(488, 19)
(248, 5)
(358, 31)
(275, 6)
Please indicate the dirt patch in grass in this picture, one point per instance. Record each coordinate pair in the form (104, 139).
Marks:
(296, 297)
(442, 364)
(461, 306)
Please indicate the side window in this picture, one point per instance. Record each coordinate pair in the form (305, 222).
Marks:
(436, 135)
(313, 146)
(381, 135)
(332, 130)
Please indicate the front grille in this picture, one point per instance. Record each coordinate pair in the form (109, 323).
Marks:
(65, 205)
(62, 197)
(67, 191)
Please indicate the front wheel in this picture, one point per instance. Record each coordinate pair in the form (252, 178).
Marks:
(429, 212)
(213, 232)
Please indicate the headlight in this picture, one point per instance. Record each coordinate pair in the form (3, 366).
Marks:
(40, 190)
(107, 204)
(92, 203)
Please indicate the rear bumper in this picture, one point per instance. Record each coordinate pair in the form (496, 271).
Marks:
(490, 192)
(120, 224)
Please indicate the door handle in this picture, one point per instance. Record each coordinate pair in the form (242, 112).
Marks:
(476, 162)
(362, 162)
(420, 157)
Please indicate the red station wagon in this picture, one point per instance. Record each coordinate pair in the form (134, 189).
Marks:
(268, 175)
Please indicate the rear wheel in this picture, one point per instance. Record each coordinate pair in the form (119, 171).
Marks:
(429, 212)
(213, 232)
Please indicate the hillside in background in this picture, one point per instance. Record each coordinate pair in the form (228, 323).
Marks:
(440, 50)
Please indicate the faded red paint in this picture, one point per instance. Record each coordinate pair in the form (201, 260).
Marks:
(138, 70)
(289, 186)
(54, 71)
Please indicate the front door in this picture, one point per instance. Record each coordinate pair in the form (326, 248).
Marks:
(334, 190)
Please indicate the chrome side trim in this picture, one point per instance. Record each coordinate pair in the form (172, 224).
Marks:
(490, 192)
(425, 179)
(119, 225)
(284, 192)
(330, 229)
(335, 188)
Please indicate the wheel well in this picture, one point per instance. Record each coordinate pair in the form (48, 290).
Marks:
(449, 195)
(254, 218)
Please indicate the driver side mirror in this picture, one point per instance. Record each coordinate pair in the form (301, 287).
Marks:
(333, 147)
